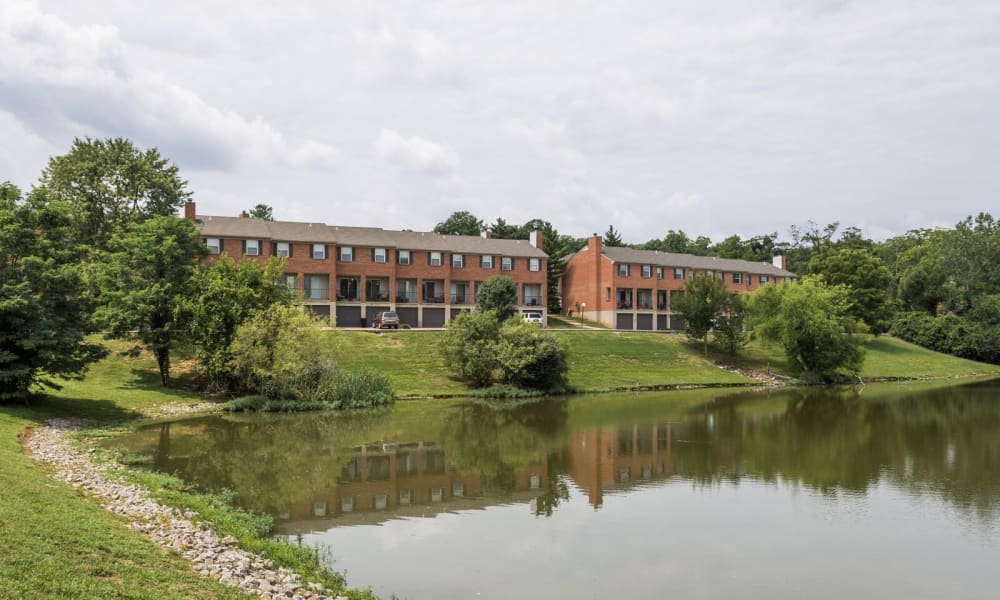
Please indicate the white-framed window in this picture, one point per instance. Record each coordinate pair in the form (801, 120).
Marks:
(319, 251)
(346, 253)
(214, 245)
(380, 255)
(435, 259)
(737, 277)
(534, 264)
(506, 263)
(659, 272)
(678, 272)
(252, 247)
(457, 261)
(646, 271)
(282, 249)
(403, 257)
(763, 279)
(486, 262)
(291, 281)
(623, 269)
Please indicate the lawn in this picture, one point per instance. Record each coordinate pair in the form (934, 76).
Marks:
(59, 544)
(885, 358)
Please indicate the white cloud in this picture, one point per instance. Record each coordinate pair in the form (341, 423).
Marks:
(68, 77)
(414, 152)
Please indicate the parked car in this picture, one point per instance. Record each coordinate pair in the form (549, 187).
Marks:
(533, 317)
(388, 319)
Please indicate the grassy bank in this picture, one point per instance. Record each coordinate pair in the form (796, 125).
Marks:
(60, 544)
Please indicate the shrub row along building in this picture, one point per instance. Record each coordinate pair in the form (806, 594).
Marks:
(633, 289)
(353, 273)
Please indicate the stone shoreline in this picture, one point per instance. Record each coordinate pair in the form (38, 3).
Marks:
(169, 528)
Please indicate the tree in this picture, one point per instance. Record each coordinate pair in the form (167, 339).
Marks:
(222, 296)
(612, 238)
(728, 331)
(703, 301)
(468, 347)
(460, 223)
(43, 308)
(110, 184)
(143, 280)
(812, 322)
(865, 275)
(503, 230)
(498, 294)
(262, 212)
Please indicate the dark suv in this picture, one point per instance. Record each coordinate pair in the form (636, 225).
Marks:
(388, 319)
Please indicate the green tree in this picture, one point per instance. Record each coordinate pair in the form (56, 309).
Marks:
(460, 223)
(43, 309)
(222, 295)
(498, 294)
(703, 301)
(110, 185)
(612, 238)
(262, 212)
(865, 275)
(468, 347)
(503, 230)
(143, 280)
(813, 323)
(729, 332)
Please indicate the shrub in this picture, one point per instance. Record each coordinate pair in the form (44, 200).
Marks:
(354, 389)
(479, 350)
(498, 294)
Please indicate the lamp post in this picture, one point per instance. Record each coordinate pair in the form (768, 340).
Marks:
(583, 307)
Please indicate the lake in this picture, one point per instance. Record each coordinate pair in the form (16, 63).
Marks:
(880, 491)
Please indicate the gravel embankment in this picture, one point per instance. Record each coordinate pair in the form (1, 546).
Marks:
(170, 528)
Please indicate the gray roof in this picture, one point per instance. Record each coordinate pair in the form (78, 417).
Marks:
(288, 231)
(690, 261)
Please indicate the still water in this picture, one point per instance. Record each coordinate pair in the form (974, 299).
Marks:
(883, 491)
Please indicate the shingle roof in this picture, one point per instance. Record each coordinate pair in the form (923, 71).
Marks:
(690, 261)
(235, 227)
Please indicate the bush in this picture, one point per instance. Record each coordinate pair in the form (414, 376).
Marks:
(950, 334)
(479, 350)
(354, 389)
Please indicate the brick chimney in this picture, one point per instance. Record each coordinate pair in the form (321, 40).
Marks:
(244, 215)
(189, 211)
(535, 237)
(780, 261)
(487, 234)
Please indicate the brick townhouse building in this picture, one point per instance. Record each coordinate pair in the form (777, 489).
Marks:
(633, 289)
(353, 273)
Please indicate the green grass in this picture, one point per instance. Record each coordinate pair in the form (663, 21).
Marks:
(885, 358)
(598, 361)
(59, 544)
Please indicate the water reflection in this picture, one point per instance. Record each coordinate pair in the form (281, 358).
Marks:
(419, 459)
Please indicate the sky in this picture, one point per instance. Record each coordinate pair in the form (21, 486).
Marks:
(715, 118)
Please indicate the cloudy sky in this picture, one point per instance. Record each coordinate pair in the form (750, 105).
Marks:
(711, 117)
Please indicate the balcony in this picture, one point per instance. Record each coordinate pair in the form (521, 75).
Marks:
(314, 293)
(460, 293)
(377, 290)
(406, 297)
(532, 295)
(433, 292)
(532, 300)
(347, 289)
(460, 299)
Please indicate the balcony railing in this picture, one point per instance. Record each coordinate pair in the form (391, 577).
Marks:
(625, 304)
(460, 299)
(645, 304)
(406, 297)
(531, 300)
(316, 293)
(378, 296)
(350, 297)
(438, 299)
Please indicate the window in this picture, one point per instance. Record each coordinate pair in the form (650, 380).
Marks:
(457, 261)
(403, 257)
(319, 251)
(659, 272)
(282, 249)
(214, 245)
(291, 281)
(506, 263)
(607, 294)
(379, 255)
(646, 271)
(763, 279)
(534, 264)
(435, 259)
(623, 270)
(678, 272)
(737, 277)
(486, 262)
(346, 253)
(251, 247)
